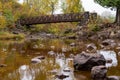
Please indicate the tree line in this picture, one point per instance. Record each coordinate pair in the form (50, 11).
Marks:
(11, 10)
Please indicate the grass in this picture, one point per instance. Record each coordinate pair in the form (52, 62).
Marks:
(7, 35)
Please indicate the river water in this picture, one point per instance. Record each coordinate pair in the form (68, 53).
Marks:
(17, 56)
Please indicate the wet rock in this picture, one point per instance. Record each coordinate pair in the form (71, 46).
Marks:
(67, 69)
(62, 76)
(91, 48)
(64, 49)
(117, 34)
(40, 57)
(72, 44)
(49, 35)
(85, 61)
(13, 49)
(4, 49)
(71, 56)
(82, 34)
(108, 43)
(113, 78)
(61, 56)
(119, 53)
(15, 32)
(52, 47)
(118, 48)
(37, 59)
(67, 31)
(103, 35)
(53, 71)
(112, 34)
(35, 47)
(71, 37)
(94, 37)
(22, 51)
(109, 60)
(3, 65)
(51, 53)
(99, 73)
(41, 45)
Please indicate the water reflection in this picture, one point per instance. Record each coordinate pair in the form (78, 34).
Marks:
(66, 67)
(28, 72)
(110, 55)
(25, 73)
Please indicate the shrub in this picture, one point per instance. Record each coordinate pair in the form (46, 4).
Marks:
(2, 22)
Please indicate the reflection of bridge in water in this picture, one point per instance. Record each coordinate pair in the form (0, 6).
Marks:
(58, 18)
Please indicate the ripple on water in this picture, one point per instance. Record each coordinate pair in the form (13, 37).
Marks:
(109, 55)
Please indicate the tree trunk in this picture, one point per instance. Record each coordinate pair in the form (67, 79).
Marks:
(117, 20)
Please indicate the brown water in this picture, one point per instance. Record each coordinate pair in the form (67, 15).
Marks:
(17, 56)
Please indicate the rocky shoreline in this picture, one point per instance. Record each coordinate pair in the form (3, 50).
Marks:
(105, 31)
(102, 32)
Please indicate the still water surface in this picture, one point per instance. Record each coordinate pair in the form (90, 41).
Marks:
(17, 55)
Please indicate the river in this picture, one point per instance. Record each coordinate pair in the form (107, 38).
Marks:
(16, 56)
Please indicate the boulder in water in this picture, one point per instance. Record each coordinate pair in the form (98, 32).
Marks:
(85, 61)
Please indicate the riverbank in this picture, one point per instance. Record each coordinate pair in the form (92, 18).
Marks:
(98, 32)
(92, 32)
(5, 35)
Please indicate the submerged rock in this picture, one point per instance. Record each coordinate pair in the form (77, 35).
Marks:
(51, 53)
(72, 44)
(37, 59)
(113, 78)
(3, 65)
(71, 55)
(99, 73)
(53, 71)
(67, 69)
(108, 43)
(64, 50)
(85, 61)
(61, 76)
(35, 46)
(40, 57)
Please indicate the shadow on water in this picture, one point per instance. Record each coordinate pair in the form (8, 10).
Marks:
(58, 62)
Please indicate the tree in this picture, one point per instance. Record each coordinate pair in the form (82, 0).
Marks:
(2, 18)
(71, 6)
(113, 4)
(0, 8)
(9, 12)
(41, 6)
